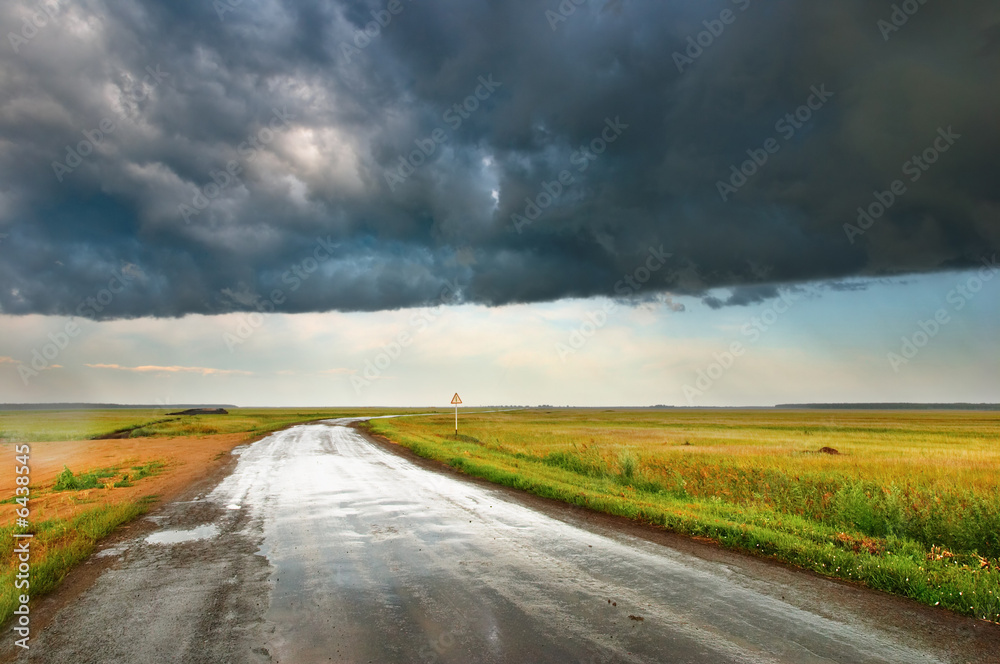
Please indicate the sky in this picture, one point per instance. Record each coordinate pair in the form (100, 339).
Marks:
(587, 202)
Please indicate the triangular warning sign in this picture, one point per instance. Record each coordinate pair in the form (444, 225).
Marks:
(456, 399)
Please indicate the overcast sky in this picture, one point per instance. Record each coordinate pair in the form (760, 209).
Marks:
(537, 202)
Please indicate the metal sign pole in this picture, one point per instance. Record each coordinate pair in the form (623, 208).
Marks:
(456, 400)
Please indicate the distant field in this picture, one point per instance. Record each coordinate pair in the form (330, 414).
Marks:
(910, 504)
(111, 482)
(43, 425)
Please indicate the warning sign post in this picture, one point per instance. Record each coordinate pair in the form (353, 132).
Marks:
(456, 400)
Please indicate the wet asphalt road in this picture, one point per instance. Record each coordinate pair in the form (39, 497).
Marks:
(322, 546)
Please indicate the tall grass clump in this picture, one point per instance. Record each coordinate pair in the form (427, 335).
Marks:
(627, 465)
(67, 481)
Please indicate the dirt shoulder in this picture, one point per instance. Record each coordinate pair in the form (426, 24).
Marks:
(187, 459)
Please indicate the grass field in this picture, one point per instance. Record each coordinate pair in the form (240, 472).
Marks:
(909, 505)
(111, 482)
(47, 425)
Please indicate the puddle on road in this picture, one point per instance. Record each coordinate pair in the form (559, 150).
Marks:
(178, 536)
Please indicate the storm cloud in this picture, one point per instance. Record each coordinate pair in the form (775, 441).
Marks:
(205, 157)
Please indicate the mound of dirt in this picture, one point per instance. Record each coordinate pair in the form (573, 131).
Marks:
(828, 450)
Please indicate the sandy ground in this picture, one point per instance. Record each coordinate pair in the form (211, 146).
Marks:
(187, 459)
(323, 545)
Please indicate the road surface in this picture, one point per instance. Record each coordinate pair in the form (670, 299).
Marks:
(323, 546)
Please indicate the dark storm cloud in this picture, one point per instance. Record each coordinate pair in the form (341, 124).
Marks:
(240, 149)
(743, 296)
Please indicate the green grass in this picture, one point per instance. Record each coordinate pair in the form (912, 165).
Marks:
(145, 470)
(67, 481)
(57, 546)
(18, 426)
(910, 506)
(95, 479)
(21, 426)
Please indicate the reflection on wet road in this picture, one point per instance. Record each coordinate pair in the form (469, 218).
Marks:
(378, 560)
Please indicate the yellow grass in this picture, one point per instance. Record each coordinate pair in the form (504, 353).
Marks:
(910, 504)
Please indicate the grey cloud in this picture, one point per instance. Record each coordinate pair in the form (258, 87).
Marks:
(323, 173)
